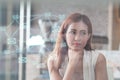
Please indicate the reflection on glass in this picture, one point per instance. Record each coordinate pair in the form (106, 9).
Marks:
(9, 25)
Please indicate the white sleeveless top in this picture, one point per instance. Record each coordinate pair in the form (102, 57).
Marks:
(89, 61)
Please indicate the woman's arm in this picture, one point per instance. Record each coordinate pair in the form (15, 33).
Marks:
(101, 69)
(54, 71)
(69, 71)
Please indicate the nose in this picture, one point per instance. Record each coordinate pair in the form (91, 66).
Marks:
(77, 37)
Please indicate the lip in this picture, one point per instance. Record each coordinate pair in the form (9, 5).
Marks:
(76, 44)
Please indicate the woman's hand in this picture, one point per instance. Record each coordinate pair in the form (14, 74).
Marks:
(74, 60)
(74, 57)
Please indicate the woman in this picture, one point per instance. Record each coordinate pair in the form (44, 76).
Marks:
(76, 61)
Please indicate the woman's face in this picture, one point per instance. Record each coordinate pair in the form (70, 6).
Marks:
(77, 35)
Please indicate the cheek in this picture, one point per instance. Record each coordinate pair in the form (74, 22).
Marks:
(69, 39)
(84, 41)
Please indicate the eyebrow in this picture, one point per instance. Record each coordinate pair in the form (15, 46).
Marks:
(76, 30)
(73, 29)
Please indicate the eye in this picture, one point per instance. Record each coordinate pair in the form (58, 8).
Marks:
(83, 33)
(72, 32)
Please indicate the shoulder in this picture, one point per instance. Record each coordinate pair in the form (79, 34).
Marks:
(101, 59)
(101, 68)
(54, 57)
(98, 59)
(99, 56)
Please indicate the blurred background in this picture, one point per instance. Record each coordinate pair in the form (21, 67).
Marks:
(28, 30)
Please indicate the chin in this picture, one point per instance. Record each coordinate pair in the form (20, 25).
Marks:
(77, 49)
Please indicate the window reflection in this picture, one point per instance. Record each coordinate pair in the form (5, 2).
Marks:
(9, 40)
(45, 20)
